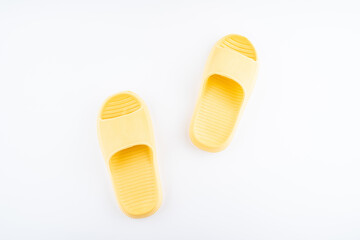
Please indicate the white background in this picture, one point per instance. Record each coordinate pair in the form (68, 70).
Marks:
(291, 171)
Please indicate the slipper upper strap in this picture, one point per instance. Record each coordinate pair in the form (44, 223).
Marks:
(231, 64)
(125, 131)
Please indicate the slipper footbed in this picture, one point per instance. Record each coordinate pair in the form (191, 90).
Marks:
(132, 169)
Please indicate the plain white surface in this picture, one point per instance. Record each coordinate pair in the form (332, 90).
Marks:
(291, 172)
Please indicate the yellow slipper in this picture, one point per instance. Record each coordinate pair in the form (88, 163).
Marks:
(127, 142)
(229, 78)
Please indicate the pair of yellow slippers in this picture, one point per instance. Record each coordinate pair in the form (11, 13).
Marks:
(126, 135)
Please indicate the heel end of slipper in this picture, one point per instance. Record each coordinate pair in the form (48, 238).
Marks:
(119, 105)
(240, 44)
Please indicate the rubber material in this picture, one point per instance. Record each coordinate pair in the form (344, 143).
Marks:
(127, 142)
(229, 78)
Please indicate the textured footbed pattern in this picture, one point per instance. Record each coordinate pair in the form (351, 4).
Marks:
(218, 111)
(132, 169)
(134, 179)
(120, 105)
(240, 44)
